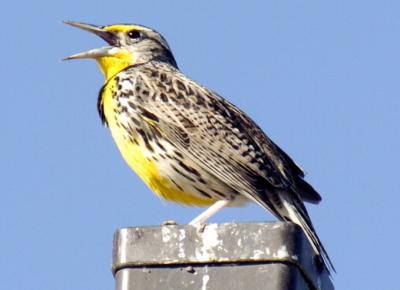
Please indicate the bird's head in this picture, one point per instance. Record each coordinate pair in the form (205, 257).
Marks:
(128, 44)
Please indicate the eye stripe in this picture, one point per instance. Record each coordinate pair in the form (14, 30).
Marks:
(122, 28)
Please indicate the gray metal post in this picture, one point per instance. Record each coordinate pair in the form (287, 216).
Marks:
(232, 256)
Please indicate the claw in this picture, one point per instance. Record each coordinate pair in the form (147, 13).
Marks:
(169, 223)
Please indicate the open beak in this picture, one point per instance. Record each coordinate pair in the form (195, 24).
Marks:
(109, 37)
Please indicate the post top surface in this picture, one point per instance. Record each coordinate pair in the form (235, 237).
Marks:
(168, 245)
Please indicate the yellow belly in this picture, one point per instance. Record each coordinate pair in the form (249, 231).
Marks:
(135, 156)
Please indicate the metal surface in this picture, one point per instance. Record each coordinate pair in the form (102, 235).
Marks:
(218, 256)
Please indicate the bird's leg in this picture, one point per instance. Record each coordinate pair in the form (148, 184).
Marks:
(209, 212)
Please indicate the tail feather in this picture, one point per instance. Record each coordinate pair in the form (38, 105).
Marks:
(295, 211)
(287, 205)
(307, 192)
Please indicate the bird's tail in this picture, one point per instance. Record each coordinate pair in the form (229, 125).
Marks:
(288, 206)
(293, 210)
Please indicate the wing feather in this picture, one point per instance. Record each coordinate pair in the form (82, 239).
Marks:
(218, 136)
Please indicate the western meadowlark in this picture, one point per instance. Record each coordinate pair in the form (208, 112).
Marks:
(187, 143)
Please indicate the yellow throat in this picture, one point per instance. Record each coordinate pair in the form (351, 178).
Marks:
(112, 64)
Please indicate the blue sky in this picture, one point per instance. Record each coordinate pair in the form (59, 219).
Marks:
(320, 77)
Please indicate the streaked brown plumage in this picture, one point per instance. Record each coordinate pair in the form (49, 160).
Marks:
(186, 142)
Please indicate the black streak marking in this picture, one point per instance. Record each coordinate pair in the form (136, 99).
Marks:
(149, 115)
(176, 184)
(164, 98)
(132, 105)
(177, 153)
(202, 180)
(160, 145)
(189, 169)
(219, 193)
(100, 107)
(145, 139)
(136, 121)
(180, 85)
(203, 192)
(183, 174)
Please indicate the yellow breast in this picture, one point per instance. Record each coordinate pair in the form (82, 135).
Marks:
(137, 157)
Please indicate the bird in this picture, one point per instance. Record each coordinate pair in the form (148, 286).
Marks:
(187, 143)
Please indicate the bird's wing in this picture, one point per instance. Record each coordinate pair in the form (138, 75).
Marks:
(284, 163)
(216, 136)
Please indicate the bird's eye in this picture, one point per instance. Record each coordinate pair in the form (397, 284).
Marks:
(134, 34)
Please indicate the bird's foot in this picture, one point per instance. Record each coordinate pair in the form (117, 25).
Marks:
(199, 226)
(169, 223)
